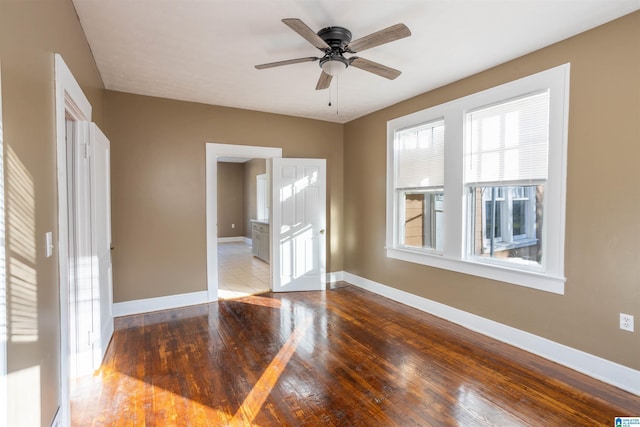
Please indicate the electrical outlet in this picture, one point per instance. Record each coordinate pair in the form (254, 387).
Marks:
(233, 226)
(626, 322)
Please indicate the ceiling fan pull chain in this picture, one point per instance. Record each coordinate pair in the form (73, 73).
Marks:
(337, 92)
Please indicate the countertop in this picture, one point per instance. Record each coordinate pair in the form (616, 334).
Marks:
(260, 221)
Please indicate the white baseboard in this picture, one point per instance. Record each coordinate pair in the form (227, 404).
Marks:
(105, 337)
(57, 419)
(601, 369)
(232, 239)
(128, 308)
(336, 276)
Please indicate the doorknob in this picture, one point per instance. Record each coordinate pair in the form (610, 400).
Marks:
(322, 231)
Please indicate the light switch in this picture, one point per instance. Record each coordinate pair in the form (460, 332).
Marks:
(48, 243)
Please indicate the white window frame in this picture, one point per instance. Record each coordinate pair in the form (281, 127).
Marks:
(455, 256)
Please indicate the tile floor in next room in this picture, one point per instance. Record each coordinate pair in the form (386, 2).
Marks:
(239, 272)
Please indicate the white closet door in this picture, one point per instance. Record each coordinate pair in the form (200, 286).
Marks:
(101, 224)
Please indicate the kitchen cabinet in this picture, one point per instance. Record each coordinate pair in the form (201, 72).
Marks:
(260, 239)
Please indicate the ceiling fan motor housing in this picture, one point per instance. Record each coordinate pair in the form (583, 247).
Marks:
(337, 38)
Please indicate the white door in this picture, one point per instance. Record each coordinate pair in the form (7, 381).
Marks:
(298, 224)
(91, 318)
(101, 223)
(81, 304)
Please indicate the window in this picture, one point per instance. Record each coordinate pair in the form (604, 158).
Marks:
(477, 185)
(419, 179)
(506, 222)
(507, 144)
(262, 197)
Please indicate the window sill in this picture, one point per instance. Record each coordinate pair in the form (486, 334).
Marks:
(530, 279)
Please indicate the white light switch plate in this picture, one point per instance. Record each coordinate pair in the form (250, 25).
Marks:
(48, 243)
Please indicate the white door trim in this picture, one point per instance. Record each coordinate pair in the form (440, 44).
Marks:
(3, 289)
(70, 100)
(213, 151)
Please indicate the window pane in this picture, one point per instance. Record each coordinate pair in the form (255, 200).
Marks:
(508, 141)
(518, 217)
(507, 222)
(422, 226)
(419, 156)
(490, 219)
(414, 205)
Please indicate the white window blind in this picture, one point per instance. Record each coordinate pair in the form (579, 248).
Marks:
(419, 155)
(508, 142)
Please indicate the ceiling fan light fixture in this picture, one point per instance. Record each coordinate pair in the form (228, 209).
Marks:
(334, 66)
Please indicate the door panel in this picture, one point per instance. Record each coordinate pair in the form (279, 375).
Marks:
(298, 235)
(80, 249)
(101, 222)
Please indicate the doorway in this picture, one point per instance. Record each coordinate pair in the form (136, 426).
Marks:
(243, 228)
(214, 152)
(84, 236)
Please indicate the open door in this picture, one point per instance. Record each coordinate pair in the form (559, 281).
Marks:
(101, 223)
(298, 224)
(89, 201)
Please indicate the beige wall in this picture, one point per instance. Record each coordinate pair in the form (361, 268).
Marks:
(603, 200)
(158, 188)
(158, 184)
(252, 168)
(230, 199)
(30, 32)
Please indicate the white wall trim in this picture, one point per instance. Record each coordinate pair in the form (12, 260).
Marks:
(336, 276)
(106, 334)
(232, 239)
(596, 367)
(57, 419)
(3, 288)
(70, 100)
(147, 305)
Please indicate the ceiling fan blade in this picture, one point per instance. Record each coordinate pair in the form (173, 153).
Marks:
(392, 33)
(375, 68)
(307, 33)
(287, 62)
(324, 81)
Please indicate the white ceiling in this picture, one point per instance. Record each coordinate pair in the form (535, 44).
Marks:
(205, 50)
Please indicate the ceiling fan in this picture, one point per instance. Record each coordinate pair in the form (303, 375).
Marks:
(335, 42)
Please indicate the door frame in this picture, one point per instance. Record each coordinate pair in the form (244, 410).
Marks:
(4, 418)
(70, 102)
(213, 151)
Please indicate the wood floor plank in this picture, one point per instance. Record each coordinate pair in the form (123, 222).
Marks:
(343, 357)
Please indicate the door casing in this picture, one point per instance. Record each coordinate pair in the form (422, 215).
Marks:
(71, 103)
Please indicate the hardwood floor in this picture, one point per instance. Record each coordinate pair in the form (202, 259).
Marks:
(344, 357)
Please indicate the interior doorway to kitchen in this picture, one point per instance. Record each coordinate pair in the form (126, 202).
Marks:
(233, 270)
(243, 227)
